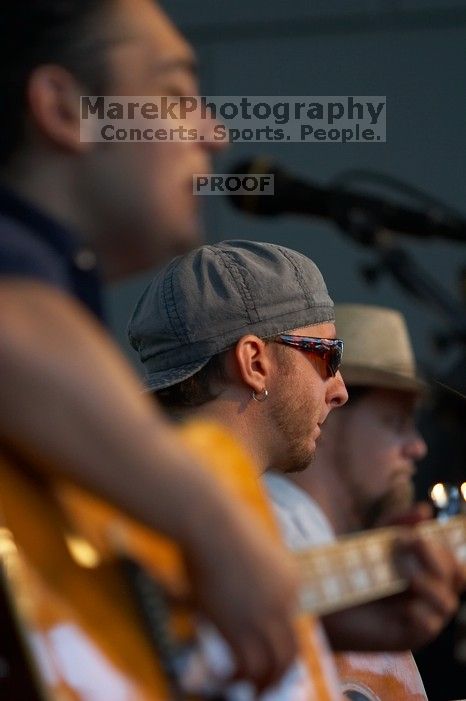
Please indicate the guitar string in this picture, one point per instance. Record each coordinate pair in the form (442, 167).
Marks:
(335, 561)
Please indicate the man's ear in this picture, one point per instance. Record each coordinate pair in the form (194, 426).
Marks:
(253, 361)
(53, 95)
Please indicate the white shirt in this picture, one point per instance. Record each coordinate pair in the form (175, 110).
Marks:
(302, 522)
(303, 525)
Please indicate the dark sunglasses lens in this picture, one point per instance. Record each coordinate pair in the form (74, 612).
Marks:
(334, 359)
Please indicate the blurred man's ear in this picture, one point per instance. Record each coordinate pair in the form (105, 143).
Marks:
(54, 107)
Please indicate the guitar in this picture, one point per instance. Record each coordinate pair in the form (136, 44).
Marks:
(358, 569)
(83, 580)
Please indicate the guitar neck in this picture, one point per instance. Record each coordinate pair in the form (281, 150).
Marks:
(358, 569)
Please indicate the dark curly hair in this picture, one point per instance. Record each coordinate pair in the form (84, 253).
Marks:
(36, 32)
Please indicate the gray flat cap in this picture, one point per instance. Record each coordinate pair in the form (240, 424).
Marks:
(202, 303)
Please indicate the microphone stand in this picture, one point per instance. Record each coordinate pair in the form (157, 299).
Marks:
(398, 262)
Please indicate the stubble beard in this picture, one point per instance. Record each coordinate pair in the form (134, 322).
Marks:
(289, 419)
(368, 512)
(392, 505)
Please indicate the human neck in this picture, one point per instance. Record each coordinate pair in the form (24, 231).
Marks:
(49, 185)
(324, 485)
(237, 421)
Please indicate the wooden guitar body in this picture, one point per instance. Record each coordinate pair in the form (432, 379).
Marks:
(80, 626)
(379, 676)
(81, 578)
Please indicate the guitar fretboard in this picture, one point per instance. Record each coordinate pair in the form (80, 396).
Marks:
(362, 568)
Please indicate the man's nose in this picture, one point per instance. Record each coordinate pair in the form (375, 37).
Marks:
(415, 446)
(215, 135)
(337, 394)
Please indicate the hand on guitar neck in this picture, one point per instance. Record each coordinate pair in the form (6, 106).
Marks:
(434, 579)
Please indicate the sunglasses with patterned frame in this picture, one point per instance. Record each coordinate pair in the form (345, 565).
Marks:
(329, 349)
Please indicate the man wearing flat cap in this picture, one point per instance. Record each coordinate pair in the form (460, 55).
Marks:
(213, 331)
(244, 333)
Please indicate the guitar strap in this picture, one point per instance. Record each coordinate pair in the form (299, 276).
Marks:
(154, 613)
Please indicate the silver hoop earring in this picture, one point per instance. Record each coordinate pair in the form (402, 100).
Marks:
(261, 397)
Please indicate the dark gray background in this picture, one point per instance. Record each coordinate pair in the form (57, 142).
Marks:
(412, 51)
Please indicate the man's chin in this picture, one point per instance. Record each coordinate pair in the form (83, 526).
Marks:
(187, 235)
(176, 240)
(300, 463)
(391, 506)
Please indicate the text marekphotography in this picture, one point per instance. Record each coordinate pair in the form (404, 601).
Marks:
(311, 119)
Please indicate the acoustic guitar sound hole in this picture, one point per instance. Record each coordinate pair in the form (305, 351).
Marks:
(359, 693)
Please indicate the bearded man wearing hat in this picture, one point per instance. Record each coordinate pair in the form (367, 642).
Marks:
(243, 333)
(362, 475)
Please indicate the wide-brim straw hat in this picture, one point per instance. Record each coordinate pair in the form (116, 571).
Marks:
(378, 350)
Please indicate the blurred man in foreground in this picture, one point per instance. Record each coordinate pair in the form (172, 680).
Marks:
(71, 212)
